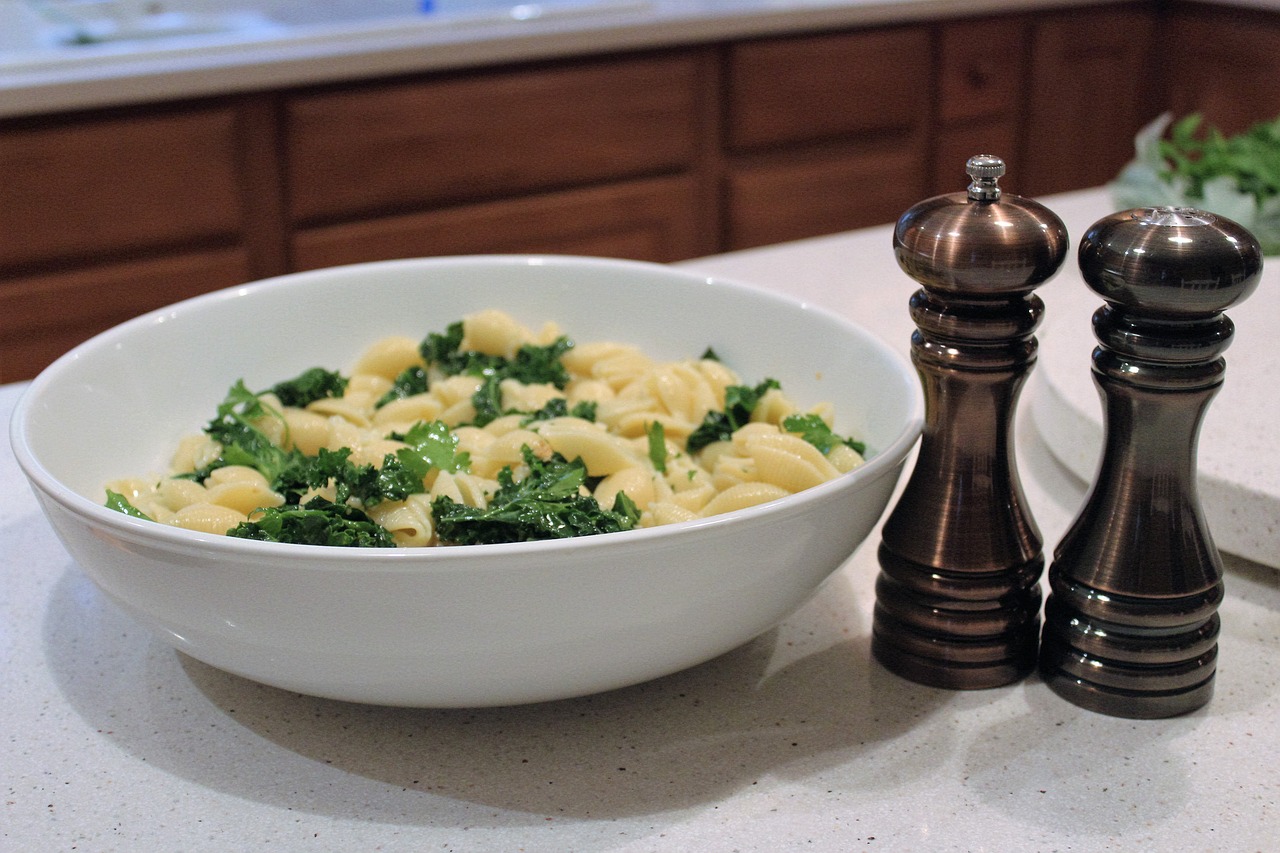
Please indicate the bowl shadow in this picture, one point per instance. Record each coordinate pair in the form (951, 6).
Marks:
(800, 698)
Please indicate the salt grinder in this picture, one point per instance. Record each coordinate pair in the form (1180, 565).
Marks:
(1131, 623)
(958, 597)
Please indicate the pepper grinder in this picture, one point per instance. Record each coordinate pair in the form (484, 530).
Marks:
(1131, 622)
(958, 596)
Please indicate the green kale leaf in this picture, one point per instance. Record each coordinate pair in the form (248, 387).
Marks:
(657, 434)
(309, 386)
(544, 505)
(120, 503)
(318, 522)
(531, 365)
(410, 381)
(814, 430)
(242, 442)
(558, 407)
(739, 402)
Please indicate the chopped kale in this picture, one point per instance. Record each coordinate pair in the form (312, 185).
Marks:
(546, 504)
(814, 430)
(531, 365)
(309, 386)
(318, 522)
(657, 434)
(120, 503)
(242, 442)
(410, 381)
(558, 407)
(739, 402)
(487, 401)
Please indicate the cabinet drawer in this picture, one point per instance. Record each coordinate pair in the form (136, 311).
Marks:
(1092, 85)
(43, 316)
(821, 195)
(981, 70)
(651, 220)
(406, 145)
(827, 86)
(85, 187)
(1227, 67)
(953, 146)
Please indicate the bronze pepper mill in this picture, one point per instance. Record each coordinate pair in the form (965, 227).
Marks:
(1131, 623)
(958, 596)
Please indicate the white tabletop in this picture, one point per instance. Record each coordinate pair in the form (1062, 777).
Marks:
(113, 741)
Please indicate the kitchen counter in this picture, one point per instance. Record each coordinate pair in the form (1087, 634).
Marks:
(84, 76)
(797, 740)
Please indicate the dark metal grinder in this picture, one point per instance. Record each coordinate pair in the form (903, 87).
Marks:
(1131, 624)
(958, 596)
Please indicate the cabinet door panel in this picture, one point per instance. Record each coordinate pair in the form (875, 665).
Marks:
(650, 220)
(43, 316)
(395, 147)
(820, 195)
(955, 145)
(827, 86)
(1225, 64)
(981, 71)
(1092, 88)
(83, 187)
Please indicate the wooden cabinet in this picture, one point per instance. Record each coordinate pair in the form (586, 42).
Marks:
(824, 133)
(596, 156)
(1093, 85)
(427, 143)
(1223, 63)
(656, 155)
(109, 215)
(646, 219)
(982, 80)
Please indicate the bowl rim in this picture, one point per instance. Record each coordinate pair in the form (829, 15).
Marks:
(42, 479)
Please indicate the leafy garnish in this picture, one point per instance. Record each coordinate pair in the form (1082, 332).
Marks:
(813, 429)
(431, 445)
(318, 522)
(243, 443)
(1200, 154)
(120, 503)
(546, 504)
(487, 401)
(410, 381)
(558, 407)
(657, 434)
(532, 364)
(739, 402)
(309, 386)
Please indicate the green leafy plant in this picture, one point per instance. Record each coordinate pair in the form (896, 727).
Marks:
(1190, 164)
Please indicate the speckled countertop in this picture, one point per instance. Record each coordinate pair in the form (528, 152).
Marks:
(797, 740)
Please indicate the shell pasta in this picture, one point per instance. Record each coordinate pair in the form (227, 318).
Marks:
(422, 437)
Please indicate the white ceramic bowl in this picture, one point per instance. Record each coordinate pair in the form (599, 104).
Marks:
(463, 626)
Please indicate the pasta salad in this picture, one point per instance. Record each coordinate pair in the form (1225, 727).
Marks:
(489, 432)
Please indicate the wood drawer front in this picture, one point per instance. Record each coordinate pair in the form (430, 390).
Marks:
(821, 195)
(400, 146)
(1093, 86)
(651, 220)
(1227, 67)
(87, 187)
(43, 316)
(827, 86)
(953, 147)
(981, 71)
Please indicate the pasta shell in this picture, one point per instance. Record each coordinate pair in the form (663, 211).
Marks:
(742, 496)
